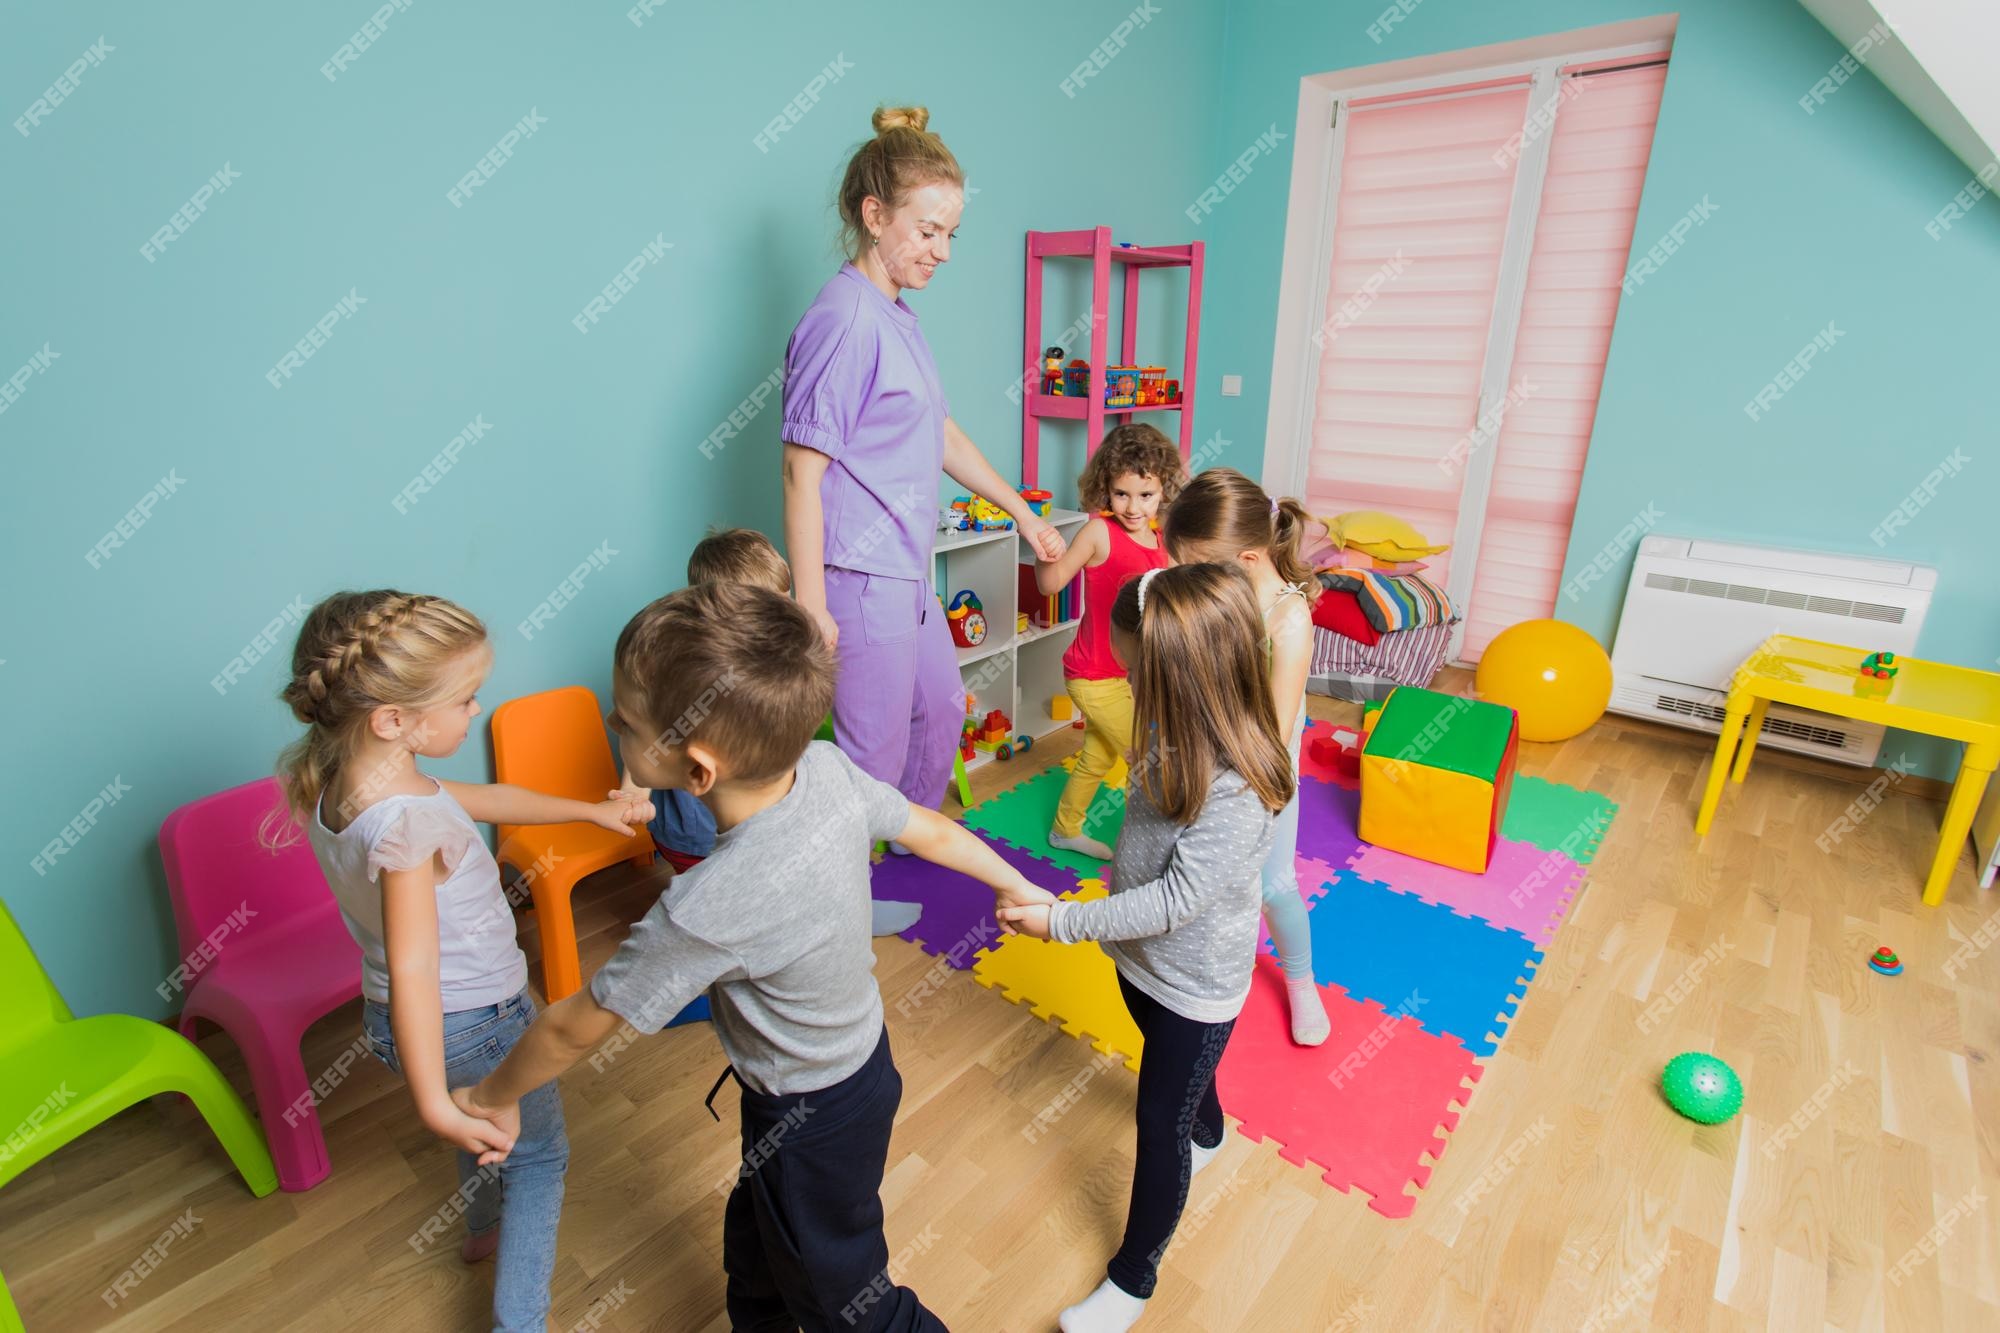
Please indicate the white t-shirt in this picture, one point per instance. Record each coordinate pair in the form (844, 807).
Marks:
(478, 961)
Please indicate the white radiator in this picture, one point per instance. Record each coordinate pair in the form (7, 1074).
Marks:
(1695, 609)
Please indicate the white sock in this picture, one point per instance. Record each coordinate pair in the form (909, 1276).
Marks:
(1310, 1025)
(1077, 842)
(1106, 1310)
(1202, 1156)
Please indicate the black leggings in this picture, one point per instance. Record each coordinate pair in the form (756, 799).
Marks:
(1176, 1100)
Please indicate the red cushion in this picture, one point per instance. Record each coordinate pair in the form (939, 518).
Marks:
(1339, 610)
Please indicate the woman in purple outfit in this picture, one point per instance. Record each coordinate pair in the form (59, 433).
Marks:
(866, 432)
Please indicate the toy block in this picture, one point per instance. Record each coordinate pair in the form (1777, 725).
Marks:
(1436, 772)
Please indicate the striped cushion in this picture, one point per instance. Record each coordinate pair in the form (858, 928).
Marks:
(1393, 602)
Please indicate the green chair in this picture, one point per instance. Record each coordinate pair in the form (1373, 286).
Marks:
(61, 1075)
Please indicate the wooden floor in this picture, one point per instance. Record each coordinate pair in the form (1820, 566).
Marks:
(1591, 1204)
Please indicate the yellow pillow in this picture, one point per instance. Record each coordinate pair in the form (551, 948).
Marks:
(1381, 535)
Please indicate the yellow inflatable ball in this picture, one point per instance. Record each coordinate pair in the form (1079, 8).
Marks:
(1552, 674)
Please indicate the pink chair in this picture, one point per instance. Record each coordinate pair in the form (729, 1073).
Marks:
(264, 955)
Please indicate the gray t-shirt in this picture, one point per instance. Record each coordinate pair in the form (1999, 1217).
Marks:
(1181, 920)
(774, 926)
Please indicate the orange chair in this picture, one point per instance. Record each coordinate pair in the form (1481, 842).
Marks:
(554, 742)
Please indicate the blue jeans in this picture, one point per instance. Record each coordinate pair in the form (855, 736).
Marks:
(529, 1200)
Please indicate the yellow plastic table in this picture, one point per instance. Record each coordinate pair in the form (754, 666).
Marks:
(1957, 703)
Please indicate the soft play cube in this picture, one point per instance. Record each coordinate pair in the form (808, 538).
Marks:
(1435, 775)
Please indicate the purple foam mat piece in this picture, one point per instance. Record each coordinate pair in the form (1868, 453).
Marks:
(957, 920)
(1327, 816)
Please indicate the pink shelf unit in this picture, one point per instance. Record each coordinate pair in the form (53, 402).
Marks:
(1096, 245)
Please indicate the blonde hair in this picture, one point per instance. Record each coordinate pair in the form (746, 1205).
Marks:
(1221, 513)
(356, 652)
(1132, 447)
(740, 668)
(901, 158)
(1201, 687)
(739, 555)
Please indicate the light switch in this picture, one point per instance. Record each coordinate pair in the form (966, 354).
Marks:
(1232, 386)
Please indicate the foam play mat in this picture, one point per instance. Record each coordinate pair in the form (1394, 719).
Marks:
(1421, 968)
(957, 918)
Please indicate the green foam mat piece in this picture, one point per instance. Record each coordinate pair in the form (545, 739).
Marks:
(1469, 736)
(1022, 815)
(1557, 818)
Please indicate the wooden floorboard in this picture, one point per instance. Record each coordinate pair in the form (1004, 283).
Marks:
(1869, 1211)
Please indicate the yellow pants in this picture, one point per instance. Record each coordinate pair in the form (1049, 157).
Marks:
(1106, 706)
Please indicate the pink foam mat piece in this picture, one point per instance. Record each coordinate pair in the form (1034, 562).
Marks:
(1525, 888)
(1366, 1107)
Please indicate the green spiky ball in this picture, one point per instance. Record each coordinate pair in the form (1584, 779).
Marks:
(1702, 1087)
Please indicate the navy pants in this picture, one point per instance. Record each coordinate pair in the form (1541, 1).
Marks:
(1176, 1103)
(802, 1240)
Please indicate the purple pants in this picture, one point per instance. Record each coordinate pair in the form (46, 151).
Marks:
(898, 704)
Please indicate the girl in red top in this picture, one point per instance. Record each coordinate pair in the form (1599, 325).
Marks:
(1133, 474)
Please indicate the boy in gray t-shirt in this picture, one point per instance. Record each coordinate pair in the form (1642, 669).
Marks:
(718, 690)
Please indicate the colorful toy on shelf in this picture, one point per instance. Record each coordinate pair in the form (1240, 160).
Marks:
(1884, 960)
(1701, 1087)
(1020, 622)
(1173, 391)
(1076, 379)
(1038, 500)
(981, 515)
(1121, 386)
(993, 734)
(1882, 666)
(1023, 743)
(1436, 772)
(1052, 371)
(967, 620)
(1152, 386)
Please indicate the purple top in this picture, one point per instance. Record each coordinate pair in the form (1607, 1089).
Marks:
(862, 388)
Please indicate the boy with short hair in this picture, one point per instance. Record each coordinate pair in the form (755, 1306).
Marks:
(718, 689)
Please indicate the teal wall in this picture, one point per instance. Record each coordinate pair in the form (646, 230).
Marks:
(286, 493)
(1819, 218)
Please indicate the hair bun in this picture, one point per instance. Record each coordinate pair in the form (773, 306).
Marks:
(888, 118)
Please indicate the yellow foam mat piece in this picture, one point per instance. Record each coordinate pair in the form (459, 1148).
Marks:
(1074, 986)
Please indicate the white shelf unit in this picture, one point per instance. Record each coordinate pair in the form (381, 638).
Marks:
(1018, 673)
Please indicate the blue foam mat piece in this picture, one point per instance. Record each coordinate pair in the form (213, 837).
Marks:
(1458, 977)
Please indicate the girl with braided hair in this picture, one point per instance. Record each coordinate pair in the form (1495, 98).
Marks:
(381, 679)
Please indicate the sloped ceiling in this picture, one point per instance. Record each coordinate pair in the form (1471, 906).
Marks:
(1943, 63)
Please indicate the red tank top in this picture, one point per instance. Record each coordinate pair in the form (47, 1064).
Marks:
(1089, 655)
